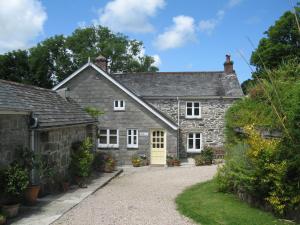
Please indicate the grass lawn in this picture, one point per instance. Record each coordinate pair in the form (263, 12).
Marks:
(206, 206)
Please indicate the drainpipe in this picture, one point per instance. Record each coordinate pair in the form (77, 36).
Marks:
(178, 123)
(33, 171)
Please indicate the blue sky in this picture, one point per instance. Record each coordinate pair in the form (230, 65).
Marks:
(191, 35)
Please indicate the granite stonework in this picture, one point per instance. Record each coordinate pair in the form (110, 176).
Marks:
(91, 90)
(211, 124)
(57, 144)
(13, 133)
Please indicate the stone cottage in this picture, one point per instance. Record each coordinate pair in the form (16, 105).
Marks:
(155, 114)
(41, 120)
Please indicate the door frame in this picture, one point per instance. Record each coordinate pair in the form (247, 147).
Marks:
(165, 144)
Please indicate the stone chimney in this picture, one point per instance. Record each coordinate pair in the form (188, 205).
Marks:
(228, 65)
(101, 62)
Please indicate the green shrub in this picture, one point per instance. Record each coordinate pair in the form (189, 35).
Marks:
(82, 158)
(16, 181)
(205, 157)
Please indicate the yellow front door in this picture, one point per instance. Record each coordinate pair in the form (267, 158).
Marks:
(158, 147)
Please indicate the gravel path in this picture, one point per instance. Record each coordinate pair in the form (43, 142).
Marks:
(139, 196)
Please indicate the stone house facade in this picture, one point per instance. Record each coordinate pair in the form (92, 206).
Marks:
(155, 114)
(41, 120)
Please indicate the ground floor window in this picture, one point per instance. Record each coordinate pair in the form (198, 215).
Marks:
(194, 142)
(108, 138)
(132, 138)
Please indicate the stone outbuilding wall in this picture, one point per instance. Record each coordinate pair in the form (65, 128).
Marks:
(56, 144)
(13, 133)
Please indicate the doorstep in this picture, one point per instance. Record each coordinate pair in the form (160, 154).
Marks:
(51, 207)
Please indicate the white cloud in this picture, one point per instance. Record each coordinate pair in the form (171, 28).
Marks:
(181, 32)
(157, 60)
(21, 21)
(129, 15)
(209, 25)
(233, 3)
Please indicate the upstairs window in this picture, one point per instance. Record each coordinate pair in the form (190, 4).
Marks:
(132, 138)
(108, 138)
(194, 142)
(119, 105)
(193, 110)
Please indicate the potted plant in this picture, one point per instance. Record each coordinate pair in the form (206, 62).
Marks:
(16, 180)
(110, 164)
(170, 160)
(2, 219)
(30, 161)
(81, 161)
(145, 161)
(136, 161)
(176, 162)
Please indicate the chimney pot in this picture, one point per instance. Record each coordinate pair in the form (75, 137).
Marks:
(101, 62)
(228, 65)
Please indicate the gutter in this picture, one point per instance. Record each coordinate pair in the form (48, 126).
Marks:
(178, 123)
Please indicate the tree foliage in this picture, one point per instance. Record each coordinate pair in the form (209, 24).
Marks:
(53, 59)
(281, 44)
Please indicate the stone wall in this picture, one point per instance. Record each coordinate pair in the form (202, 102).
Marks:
(91, 89)
(13, 133)
(57, 143)
(211, 124)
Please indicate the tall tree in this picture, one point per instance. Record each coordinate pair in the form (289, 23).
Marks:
(281, 44)
(14, 66)
(53, 59)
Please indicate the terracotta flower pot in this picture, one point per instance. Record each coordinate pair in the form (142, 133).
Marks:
(11, 210)
(31, 194)
(176, 163)
(108, 168)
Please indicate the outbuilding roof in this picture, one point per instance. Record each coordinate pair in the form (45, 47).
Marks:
(48, 106)
(181, 84)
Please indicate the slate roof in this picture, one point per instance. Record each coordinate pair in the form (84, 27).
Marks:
(50, 108)
(181, 84)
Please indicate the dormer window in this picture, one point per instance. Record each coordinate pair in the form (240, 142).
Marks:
(119, 105)
(193, 110)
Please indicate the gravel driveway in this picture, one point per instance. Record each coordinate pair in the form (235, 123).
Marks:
(139, 196)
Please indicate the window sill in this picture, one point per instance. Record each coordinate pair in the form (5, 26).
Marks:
(108, 146)
(193, 118)
(132, 148)
(194, 150)
(119, 110)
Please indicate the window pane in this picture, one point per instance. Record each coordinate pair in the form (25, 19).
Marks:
(162, 140)
(134, 140)
(129, 132)
(121, 103)
(103, 132)
(113, 139)
(196, 112)
(153, 140)
(196, 104)
(116, 104)
(162, 133)
(103, 140)
(189, 104)
(162, 145)
(197, 143)
(190, 143)
(190, 135)
(113, 132)
(129, 140)
(153, 133)
(134, 132)
(197, 135)
(189, 111)
(153, 145)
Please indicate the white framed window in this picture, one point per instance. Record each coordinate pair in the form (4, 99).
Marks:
(194, 142)
(108, 138)
(119, 105)
(132, 138)
(193, 110)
